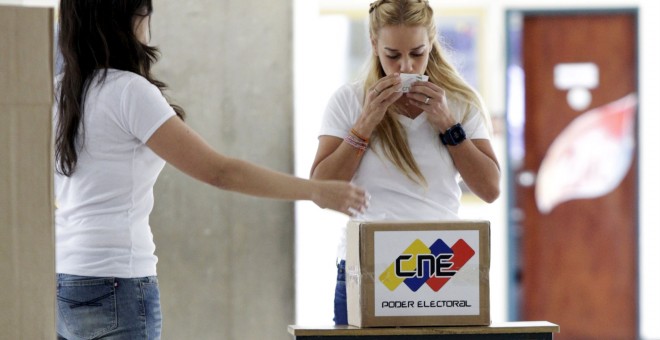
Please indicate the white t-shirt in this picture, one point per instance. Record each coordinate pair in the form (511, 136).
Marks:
(102, 215)
(394, 197)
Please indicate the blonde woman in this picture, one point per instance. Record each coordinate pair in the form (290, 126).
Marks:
(408, 150)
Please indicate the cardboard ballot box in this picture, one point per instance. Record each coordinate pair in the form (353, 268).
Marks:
(418, 273)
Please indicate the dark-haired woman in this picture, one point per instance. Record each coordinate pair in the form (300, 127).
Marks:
(114, 133)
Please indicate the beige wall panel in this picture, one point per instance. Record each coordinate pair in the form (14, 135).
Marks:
(25, 52)
(27, 264)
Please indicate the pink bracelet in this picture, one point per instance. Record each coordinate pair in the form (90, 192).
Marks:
(357, 143)
(356, 134)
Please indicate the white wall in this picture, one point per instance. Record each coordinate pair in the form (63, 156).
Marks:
(30, 3)
(315, 79)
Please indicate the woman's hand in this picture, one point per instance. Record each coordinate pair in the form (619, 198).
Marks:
(340, 196)
(379, 97)
(431, 98)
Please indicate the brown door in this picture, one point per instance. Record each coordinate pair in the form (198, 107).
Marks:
(574, 185)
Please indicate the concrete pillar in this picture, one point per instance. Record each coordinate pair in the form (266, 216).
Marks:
(226, 259)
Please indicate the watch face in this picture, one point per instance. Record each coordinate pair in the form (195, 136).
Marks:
(454, 136)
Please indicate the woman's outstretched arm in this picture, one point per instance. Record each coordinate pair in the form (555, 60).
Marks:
(179, 145)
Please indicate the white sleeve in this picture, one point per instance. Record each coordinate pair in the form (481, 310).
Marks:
(143, 108)
(341, 113)
(474, 125)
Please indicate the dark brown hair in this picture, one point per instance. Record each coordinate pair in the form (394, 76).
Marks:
(95, 35)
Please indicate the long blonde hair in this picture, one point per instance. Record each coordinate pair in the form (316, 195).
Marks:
(389, 131)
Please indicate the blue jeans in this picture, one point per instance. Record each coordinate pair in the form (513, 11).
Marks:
(107, 308)
(341, 313)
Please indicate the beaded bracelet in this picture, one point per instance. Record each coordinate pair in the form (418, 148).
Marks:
(357, 143)
(356, 134)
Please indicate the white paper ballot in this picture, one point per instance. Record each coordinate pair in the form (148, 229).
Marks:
(408, 78)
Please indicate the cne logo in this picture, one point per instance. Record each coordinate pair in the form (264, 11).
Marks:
(420, 264)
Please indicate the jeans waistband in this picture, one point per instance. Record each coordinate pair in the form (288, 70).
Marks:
(70, 277)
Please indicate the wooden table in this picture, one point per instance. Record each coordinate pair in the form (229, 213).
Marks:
(527, 330)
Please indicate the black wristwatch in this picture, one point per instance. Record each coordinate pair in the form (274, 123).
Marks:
(453, 136)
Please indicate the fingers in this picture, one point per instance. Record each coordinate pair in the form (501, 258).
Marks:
(420, 100)
(380, 96)
(423, 89)
(424, 94)
(386, 89)
(358, 203)
(353, 213)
